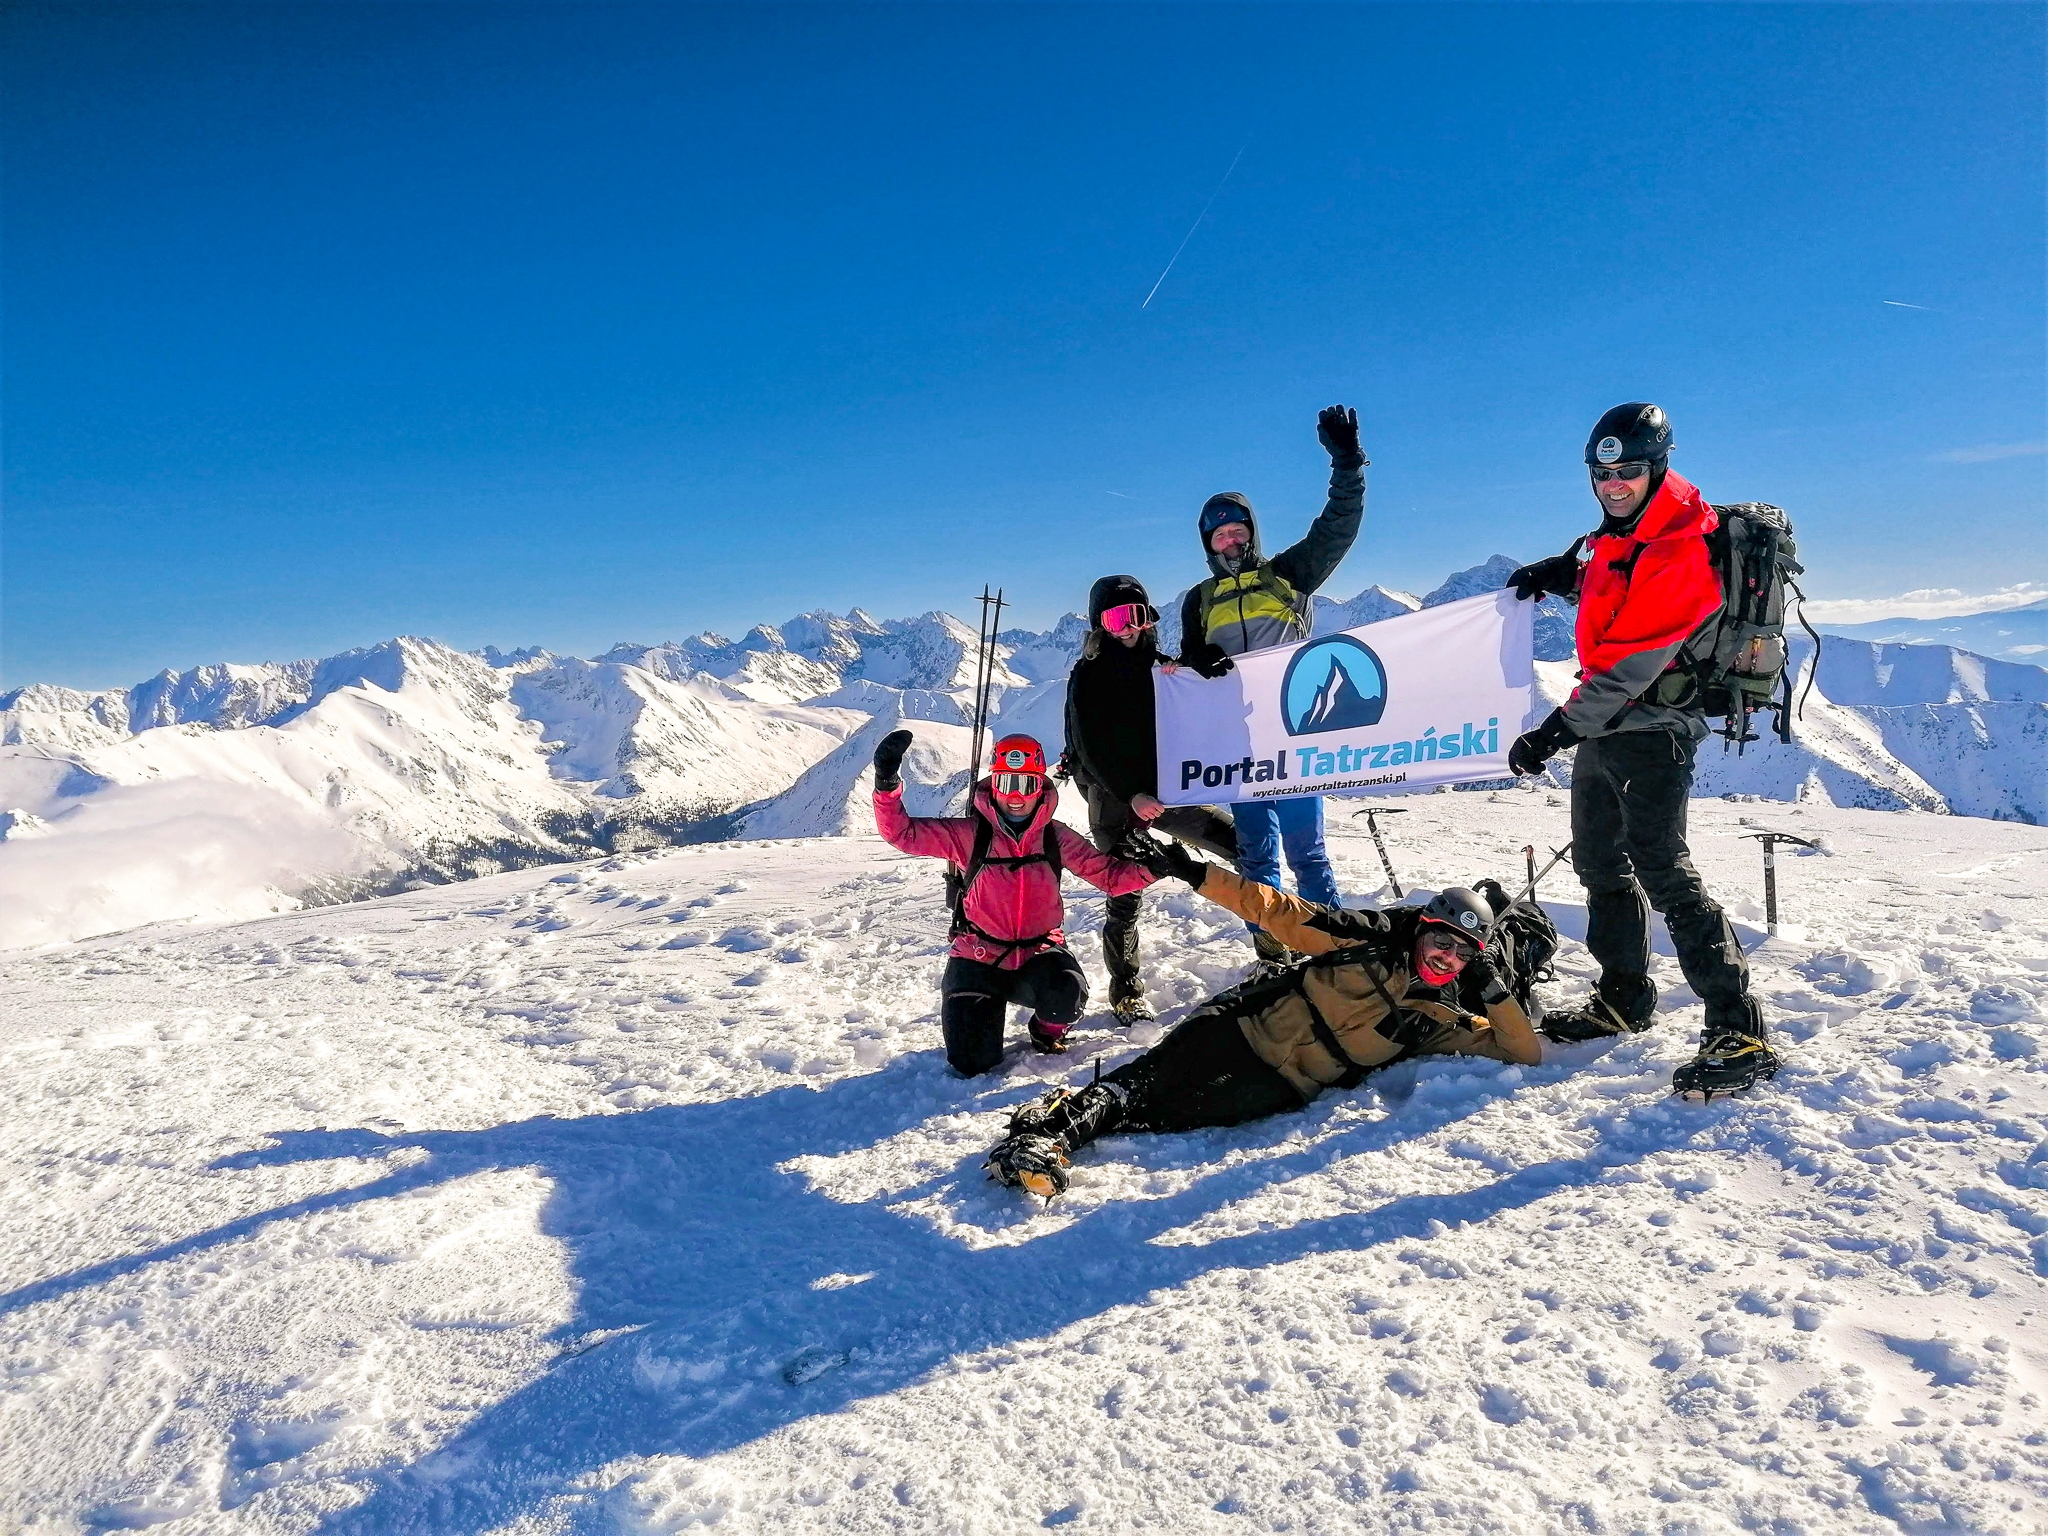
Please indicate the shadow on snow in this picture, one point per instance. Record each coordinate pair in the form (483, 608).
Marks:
(681, 1227)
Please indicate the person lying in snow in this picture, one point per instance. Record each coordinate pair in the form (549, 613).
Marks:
(1007, 943)
(1377, 988)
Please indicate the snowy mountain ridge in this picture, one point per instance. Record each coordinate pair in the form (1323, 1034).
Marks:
(235, 790)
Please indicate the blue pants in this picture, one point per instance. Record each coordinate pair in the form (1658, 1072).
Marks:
(1264, 827)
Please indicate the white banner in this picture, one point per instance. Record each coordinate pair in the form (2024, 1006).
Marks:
(1429, 698)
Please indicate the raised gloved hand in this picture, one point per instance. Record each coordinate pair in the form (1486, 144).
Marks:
(1215, 667)
(889, 759)
(1337, 428)
(1491, 988)
(1169, 860)
(1532, 749)
(1540, 578)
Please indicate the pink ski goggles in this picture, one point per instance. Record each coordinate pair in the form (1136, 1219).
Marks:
(1126, 617)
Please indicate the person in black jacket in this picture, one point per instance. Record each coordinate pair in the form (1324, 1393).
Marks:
(1112, 753)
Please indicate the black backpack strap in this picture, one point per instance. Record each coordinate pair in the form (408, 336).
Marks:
(961, 877)
(1326, 1037)
(980, 859)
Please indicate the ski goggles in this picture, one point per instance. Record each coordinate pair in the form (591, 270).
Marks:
(1125, 617)
(1635, 469)
(1444, 938)
(1215, 517)
(1016, 783)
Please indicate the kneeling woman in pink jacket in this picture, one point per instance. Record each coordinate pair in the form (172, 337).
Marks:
(1007, 943)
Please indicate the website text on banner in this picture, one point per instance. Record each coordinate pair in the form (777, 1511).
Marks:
(1427, 698)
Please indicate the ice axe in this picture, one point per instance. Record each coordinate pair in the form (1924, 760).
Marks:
(1770, 840)
(1372, 815)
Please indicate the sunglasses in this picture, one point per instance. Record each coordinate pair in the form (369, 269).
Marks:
(1016, 783)
(1125, 617)
(1442, 938)
(1633, 470)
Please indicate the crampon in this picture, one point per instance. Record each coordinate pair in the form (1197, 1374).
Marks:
(1727, 1063)
(1030, 1162)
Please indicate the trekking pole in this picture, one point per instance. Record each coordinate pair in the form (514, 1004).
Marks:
(988, 675)
(1529, 862)
(1372, 815)
(984, 668)
(1770, 840)
(1529, 890)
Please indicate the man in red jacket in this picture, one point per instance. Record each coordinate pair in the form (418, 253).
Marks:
(1644, 590)
(1007, 943)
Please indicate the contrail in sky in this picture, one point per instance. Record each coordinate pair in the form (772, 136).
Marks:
(1197, 224)
(1895, 304)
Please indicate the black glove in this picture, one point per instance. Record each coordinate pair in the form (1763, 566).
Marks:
(1532, 749)
(1337, 428)
(1169, 860)
(888, 758)
(1491, 988)
(1215, 666)
(1559, 574)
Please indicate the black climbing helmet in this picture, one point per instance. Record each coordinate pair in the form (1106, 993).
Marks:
(1463, 910)
(1629, 434)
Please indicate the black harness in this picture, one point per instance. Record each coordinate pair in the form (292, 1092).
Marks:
(959, 880)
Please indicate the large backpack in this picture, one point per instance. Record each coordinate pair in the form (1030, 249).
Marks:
(1522, 943)
(1735, 665)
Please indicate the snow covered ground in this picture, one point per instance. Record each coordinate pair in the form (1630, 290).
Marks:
(634, 1195)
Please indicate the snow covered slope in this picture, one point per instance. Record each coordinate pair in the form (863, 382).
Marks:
(634, 1196)
(230, 791)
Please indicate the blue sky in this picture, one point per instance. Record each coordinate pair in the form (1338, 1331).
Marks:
(565, 324)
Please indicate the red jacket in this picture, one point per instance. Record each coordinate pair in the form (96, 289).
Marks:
(1642, 595)
(1020, 902)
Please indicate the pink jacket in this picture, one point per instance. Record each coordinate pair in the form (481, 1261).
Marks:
(1007, 903)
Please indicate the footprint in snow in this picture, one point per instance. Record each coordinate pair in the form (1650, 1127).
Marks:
(744, 940)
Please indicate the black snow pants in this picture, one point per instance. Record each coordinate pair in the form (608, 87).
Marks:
(1110, 825)
(974, 998)
(1629, 798)
(1204, 1073)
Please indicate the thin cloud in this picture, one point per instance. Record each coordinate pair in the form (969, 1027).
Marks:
(1985, 453)
(1902, 304)
(1924, 603)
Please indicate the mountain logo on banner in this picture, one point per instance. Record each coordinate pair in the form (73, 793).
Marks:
(1334, 684)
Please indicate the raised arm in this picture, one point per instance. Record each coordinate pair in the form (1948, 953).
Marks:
(1314, 560)
(933, 837)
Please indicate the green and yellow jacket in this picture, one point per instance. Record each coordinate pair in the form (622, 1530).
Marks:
(1267, 602)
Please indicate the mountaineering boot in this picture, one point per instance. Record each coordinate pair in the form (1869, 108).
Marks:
(1030, 1162)
(1133, 1010)
(1620, 1005)
(1033, 1155)
(1041, 1117)
(1734, 1055)
(1047, 1039)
